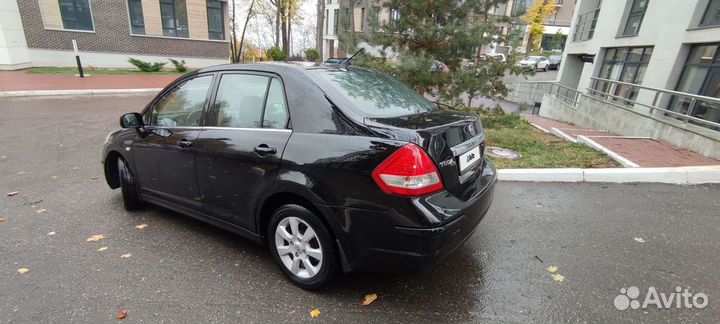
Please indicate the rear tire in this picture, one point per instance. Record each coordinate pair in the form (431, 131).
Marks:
(128, 186)
(302, 247)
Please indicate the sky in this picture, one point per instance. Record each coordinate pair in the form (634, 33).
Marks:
(260, 27)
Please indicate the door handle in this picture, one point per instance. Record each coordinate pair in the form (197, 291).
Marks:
(184, 143)
(263, 150)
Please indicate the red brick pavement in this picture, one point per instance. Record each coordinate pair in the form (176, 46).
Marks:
(21, 80)
(644, 152)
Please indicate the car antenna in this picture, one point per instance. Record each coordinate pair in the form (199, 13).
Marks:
(347, 62)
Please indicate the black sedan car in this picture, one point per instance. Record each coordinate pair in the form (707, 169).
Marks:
(334, 167)
(554, 62)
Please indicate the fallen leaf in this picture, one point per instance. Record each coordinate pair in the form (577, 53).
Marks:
(102, 249)
(558, 277)
(53, 177)
(41, 210)
(75, 168)
(51, 233)
(95, 178)
(538, 206)
(122, 314)
(2, 220)
(314, 313)
(369, 299)
(126, 255)
(96, 237)
(21, 173)
(23, 270)
(639, 240)
(141, 226)
(552, 269)
(12, 193)
(292, 312)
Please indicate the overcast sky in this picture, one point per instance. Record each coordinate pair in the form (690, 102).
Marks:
(260, 28)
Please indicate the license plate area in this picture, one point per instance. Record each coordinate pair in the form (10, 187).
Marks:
(469, 158)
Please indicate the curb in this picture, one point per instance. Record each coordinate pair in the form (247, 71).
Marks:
(677, 175)
(43, 93)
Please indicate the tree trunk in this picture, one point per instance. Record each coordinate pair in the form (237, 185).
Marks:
(289, 36)
(319, 24)
(277, 28)
(242, 37)
(233, 34)
(284, 26)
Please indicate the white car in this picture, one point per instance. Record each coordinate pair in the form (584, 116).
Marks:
(535, 62)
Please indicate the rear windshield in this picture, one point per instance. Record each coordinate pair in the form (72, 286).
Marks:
(374, 94)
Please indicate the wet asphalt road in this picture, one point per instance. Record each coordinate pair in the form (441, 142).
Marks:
(184, 271)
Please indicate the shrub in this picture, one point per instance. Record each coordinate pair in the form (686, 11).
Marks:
(146, 66)
(276, 54)
(312, 55)
(179, 65)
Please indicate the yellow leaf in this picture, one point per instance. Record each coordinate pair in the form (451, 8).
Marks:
(639, 240)
(558, 277)
(552, 269)
(96, 237)
(23, 270)
(126, 255)
(369, 299)
(104, 248)
(141, 226)
(40, 210)
(12, 193)
(538, 206)
(314, 313)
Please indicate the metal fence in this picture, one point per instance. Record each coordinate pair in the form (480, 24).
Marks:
(696, 109)
(567, 95)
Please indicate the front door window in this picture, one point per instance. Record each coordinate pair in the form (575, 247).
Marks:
(183, 105)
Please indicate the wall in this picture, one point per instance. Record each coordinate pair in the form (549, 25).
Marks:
(65, 58)
(596, 114)
(112, 31)
(13, 46)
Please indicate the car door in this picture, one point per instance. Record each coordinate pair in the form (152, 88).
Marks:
(542, 63)
(241, 146)
(164, 155)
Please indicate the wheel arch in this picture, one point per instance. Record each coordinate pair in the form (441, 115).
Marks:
(112, 176)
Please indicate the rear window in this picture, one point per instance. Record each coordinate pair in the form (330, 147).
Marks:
(374, 94)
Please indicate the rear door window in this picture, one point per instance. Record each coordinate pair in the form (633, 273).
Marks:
(249, 101)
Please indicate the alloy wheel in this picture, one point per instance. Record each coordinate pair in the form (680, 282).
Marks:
(299, 247)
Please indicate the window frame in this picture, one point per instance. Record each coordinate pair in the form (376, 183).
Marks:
(175, 18)
(148, 111)
(212, 107)
(336, 18)
(702, 23)
(92, 18)
(130, 20)
(631, 14)
(222, 19)
(624, 64)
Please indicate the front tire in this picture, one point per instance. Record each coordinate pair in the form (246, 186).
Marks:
(128, 187)
(302, 247)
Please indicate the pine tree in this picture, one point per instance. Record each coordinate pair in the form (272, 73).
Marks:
(420, 32)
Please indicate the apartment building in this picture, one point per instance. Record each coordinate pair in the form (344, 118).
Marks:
(644, 68)
(330, 29)
(557, 23)
(108, 32)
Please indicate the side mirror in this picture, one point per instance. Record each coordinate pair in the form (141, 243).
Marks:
(131, 120)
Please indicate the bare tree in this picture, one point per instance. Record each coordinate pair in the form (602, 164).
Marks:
(319, 26)
(250, 14)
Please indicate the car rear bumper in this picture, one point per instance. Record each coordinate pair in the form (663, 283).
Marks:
(377, 243)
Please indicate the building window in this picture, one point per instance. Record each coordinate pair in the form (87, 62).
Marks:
(137, 22)
(76, 14)
(701, 75)
(394, 15)
(626, 64)
(346, 20)
(362, 19)
(173, 15)
(336, 17)
(635, 17)
(216, 19)
(712, 14)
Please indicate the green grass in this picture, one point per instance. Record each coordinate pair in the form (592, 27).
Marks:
(91, 70)
(538, 149)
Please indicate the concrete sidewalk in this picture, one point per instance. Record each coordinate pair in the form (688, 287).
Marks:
(642, 152)
(23, 81)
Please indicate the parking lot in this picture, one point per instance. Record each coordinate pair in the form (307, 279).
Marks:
(601, 237)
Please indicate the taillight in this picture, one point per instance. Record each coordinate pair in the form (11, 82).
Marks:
(408, 172)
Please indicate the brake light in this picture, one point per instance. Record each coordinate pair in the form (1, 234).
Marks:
(408, 172)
